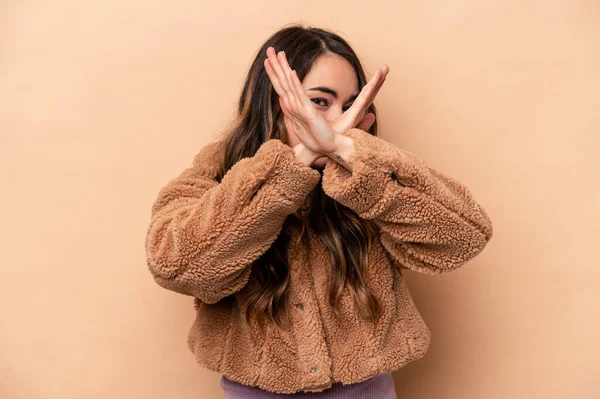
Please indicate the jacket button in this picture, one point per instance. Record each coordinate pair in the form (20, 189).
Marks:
(314, 370)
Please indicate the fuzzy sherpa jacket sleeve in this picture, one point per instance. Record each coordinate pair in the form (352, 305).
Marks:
(204, 235)
(429, 221)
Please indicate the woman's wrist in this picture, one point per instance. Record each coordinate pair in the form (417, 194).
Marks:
(344, 147)
(304, 155)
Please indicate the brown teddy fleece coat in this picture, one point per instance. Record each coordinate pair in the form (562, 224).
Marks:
(204, 236)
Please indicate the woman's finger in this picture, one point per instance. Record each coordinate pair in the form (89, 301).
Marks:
(384, 70)
(287, 70)
(274, 79)
(279, 89)
(357, 109)
(373, 93)
(303, 98)
(278, 71)
(285, 108)
(366, 122)
(279, 63)
(295, 85)
(375, 84)
(369, 92)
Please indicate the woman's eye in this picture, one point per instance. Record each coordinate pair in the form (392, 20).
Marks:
(315, 100)
(344, 109)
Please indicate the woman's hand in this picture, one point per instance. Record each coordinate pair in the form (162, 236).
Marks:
(318, 136)
(308, 124)
(355, 115)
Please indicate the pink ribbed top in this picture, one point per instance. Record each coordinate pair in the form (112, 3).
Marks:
(380, 386)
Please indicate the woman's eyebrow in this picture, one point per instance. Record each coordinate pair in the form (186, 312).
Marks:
(332, 92)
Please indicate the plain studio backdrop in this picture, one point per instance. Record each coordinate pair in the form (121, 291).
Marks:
(101, 103)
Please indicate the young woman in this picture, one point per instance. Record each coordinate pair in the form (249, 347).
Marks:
(291, 232)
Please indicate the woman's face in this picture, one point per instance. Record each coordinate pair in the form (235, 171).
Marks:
(332, 86)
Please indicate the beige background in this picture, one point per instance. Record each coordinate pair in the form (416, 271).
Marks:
(101, 103)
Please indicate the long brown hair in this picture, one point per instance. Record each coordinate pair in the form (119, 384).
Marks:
(346, 236)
